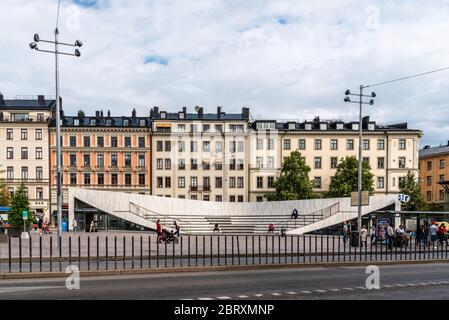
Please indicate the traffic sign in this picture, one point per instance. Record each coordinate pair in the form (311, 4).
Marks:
(25, 214)
(403, 197)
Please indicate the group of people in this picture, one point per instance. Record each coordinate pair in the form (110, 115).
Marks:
(43, 226)
(433, 234)
(164, 235)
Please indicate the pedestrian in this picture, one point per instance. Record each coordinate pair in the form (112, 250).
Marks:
(390, 236)
(345, 231)
(177, 228)
(39, 224)
(74, 225)
(159, 230)
(433, 230)
(216, 228)
(295, 214)
(442, 233)
(399, 233)
(363, 236)
(425, 233)
(373, 234)
(271, 228)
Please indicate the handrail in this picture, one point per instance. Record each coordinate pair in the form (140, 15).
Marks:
(156, 214)
(325, 213)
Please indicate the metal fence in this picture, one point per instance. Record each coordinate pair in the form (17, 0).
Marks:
(46, 253)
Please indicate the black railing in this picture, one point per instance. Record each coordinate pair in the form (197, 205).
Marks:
(105, 252)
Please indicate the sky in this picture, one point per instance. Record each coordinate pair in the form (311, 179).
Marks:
(285, 59)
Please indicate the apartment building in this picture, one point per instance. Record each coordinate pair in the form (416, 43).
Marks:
(102, 152)
(434, 174)
(24, 141)
(390, 151)
(200, 156)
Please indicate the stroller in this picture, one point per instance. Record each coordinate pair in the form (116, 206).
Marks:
(169, 236)
(45, 228)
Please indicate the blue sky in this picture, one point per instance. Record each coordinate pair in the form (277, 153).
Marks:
(286, 59)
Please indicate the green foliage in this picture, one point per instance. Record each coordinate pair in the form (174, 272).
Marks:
(19, 203)
(5, 197)
(345, 179)
(412, 188)
(293, 182)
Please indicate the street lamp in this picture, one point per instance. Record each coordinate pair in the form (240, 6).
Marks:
(360, 102)
(56, 52)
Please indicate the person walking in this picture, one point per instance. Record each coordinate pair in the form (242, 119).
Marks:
(390, 236)
(177, 228)
(159, 230)
(74, 225)
(39, 224)
(373, 234)
(345, 231)
(442, 234)
(425, 234)
(363, 236)
(433, 230)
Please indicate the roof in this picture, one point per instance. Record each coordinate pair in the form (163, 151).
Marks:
(206, 116)
(18, 104)
(69, 121)
(433, 151)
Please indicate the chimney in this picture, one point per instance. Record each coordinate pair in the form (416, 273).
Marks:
(2, 99)
(154, 112)
(81, 114)
(133, 114)
(219, 110)
(245, 113)
(97, 114)
(41, 99)
(426, 147)
(184, 110)
(200, 112)
(101, 113)
(109, 113)
(316, 121)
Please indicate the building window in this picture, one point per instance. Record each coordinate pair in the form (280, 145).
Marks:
(72, 159)
(127, 142)
(206, 183)
(219, 128)
(10, 173)
(240, 146)
(401, 182)
(302, 144)
(365, 144)
(270, 163)
(86, 160)
(160, 182)
(380, 182)
(160, 164)
(259, 162)
(39, 153)
(270, 144)
(73, 179)
(366, 160)
(181, 164)
(334, 162)
(231, 182)
(334, 144)
(317, 144)
(441, 177)
(114, 142)
(231, 198)
(219, 198)
(167, 164)
(100, 160)
(9, 134)
(128, 159)
(240, 182)
(24, 153)
(113, 159)
(142, 160)
(39, 193)
(39, 173)
(100, 179)
(181, 146)
(402, 144)
(142, 179)
(429, 165)
(72, 141)
(218, 146)
(259, 199)
(181, 127)
(317, 162)
(259, 182)
(270, 183)
(441, 195)
(100, 141)
(380, 163)
(194, 164)
(87, 141)
(429, 180)
(9, 153)
(24, 134)
(206, 165)
(350, 144)
(218, 166)
(317, 183)
(167, 145)
(218, 182)
(141, 142)
(24, 173)
(38, 134)
(114, 179)
(442, 163)
(287, 144)
(194, 183)
(259, 144)
(159, 146)
(381, 144)
(429, 196)
(128, 181)
(193, 146)
(87, 179)
(240, 198)
(206, 146)
(401, 162)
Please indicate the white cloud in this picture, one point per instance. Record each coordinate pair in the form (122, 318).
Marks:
(236, 54)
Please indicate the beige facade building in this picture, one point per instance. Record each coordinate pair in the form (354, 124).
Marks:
(24, 145)
(200, 156)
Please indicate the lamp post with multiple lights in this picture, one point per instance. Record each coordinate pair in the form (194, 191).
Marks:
(360, 186)
(56, 52)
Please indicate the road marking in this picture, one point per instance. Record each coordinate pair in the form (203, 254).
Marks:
(350, 289)
(258, 295)
(335, 290)
(361, 288)
(306, 292)
(276, 294)
(292, 292)
(224, 298)
(399, 285)
(186, 299)
(321, 291)
(205, 299)
(242, 297)
(387, 286)
(21, 289)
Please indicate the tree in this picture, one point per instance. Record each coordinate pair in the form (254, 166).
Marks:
(411, 187)
(19, 203)
(5, 197)
(346, 180)
(293, 182)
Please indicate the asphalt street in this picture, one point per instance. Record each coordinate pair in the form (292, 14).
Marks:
(418, 281)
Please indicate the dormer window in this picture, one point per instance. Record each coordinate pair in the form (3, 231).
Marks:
(108, 122)
(292, 126)
(163, 115)
(355, 126)
(339, 126)
(323, 126)
(142, 122)
(181, 115)
(371, 126)
(92, 122)
(308, 126)
(126, 122)
(76, 122)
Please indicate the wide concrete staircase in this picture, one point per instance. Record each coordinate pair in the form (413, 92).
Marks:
(234, 224)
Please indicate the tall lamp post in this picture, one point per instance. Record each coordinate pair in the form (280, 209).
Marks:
(56, 52)
(360, 186)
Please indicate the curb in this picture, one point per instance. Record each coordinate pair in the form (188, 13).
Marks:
(96, 273)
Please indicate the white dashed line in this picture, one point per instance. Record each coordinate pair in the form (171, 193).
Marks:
(205, 299)
(224, 298)
(258, 295)
(349, 289)
(292, 292)
(321, 291)
(276, 294)
(242, 297)
(335, 290)
(306, 292)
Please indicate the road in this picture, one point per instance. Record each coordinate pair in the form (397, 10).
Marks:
(425, 281)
